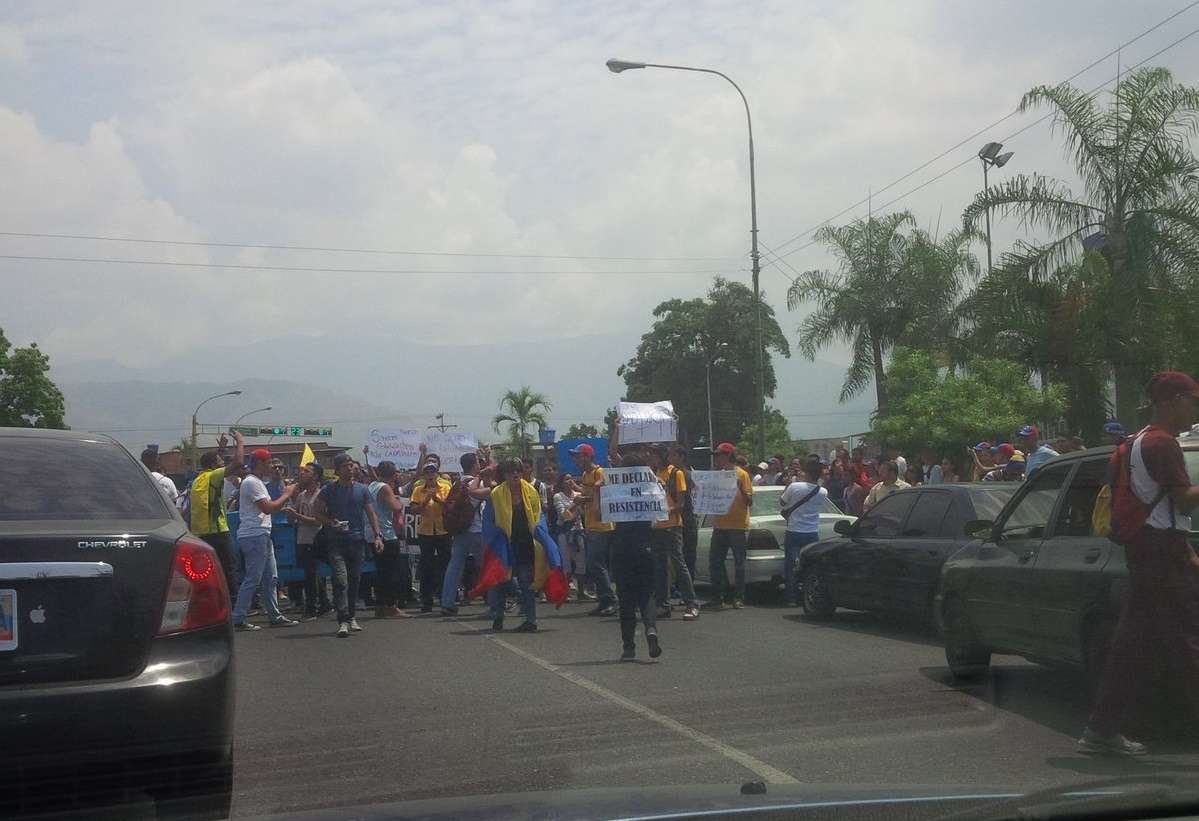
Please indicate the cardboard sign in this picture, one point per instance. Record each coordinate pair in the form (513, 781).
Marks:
(713, 491)
(450, 447)
(399, 445)
(645, 422)
(632, 495)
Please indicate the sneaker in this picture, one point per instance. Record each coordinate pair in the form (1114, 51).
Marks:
(1117, 744)
(630, 653)
(310, 617)
(712, 605)
(245, 627)
(738, 604)
(655, 649)
(355, 626)
(284, 621)
(663, 612)
(511, 605)
(610, 610)
(392, 612)
(324, 610)
(526, 627)
(586, 595)
(597, 611)
(691, 613)
(449, 611)
(343, 630)
(497, 625)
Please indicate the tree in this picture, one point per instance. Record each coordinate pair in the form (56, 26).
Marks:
(520, 410)
(778, 438)
(28, 399)
(896, 285)
(687, 338)
(581, 431)
(929, 406)
(1139, 207)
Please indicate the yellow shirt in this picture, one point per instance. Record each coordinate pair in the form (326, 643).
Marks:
(431, 523)
(591, 482)
(673, 507)
(738, 516)
(207, 503)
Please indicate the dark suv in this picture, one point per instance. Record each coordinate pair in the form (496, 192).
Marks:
(116, 675)
(1041, 583)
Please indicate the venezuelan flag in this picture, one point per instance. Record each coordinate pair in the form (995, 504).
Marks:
(548, 576)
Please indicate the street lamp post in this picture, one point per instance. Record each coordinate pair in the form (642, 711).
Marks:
(617, 66)
(196, 424)
(711, 360)
(244, 415)
(990, 156)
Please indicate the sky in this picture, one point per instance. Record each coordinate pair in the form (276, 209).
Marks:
(471, 171)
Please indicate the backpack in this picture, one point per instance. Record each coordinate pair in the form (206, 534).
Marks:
(1128, 512)
(458, 511)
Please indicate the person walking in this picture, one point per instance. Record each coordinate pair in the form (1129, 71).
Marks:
(428, 499)
(303, 513)
(345, 508)
(388, 560)
(477, 486)
(633, 566)
(800, 505)
(254, 539)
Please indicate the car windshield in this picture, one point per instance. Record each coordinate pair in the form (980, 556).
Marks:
(382, 385)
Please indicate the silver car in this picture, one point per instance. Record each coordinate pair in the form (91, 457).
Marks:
(767, 529)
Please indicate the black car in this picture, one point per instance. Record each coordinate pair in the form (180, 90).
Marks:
(116, 665)
(890, 559)
(1042, 583)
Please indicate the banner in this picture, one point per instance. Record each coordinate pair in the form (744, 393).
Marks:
(399, 445)
(645, 422)
(632, 495)
(713, 491)
(450, 447)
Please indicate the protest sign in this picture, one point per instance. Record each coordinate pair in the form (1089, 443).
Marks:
(399, 445)
(712, 491)
(632, 495)
(450, 447)
(645, 422)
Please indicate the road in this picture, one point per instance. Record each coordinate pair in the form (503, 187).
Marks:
(433, 706)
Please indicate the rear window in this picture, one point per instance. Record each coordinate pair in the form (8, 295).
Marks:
(61, 479)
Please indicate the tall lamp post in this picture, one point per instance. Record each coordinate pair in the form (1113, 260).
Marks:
(990, 156)
(244, 415)
(708, 373)
(617, 66)
(196, 424)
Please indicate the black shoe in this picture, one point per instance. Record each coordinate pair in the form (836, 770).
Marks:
(655, 649)
(449, 611)
(426, 608)
(598, 611)
(630, 653)
(526, 627)
(663, 612)
(497, 625)
(610, 610)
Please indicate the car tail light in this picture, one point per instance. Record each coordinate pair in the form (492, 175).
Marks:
(761, 540)
(196, 593)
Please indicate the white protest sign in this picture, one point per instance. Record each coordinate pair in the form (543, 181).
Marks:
(632, 495)
(399, 445)
(450, 447)
(645, 422)
(712, 491)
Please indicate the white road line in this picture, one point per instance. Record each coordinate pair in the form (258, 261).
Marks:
(760, 768)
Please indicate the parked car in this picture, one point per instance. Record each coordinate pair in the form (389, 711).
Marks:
(767, 529)
(116, 645)
(1041, 583)
(890, 559)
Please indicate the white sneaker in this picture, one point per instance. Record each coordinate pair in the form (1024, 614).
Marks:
(343, 630)
(355, 626)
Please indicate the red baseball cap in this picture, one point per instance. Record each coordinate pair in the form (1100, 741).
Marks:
(583, 448)
(261, 455)
(726, 448)
(1168, 384)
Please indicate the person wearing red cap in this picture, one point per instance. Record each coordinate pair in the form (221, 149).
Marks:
(730, 532)
(254, 539)
(1159, 624)
(599, 532)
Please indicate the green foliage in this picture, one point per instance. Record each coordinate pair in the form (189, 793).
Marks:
(778, 438)
(929, 406)
(521, 410)
(28, 399)
(672, 360)
(581, 431)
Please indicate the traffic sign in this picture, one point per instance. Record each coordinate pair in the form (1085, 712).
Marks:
(287, 430)
(244, 430)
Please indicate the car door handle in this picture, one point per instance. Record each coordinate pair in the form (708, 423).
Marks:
(1092, 555)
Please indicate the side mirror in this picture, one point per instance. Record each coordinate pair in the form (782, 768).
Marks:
(980, 529)
(843, 527)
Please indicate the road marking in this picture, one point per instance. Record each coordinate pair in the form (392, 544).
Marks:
(754, 765)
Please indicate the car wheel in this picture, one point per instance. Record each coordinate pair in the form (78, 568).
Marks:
(207, 796)
(1096, 643)
(967, 658)
(817, 602)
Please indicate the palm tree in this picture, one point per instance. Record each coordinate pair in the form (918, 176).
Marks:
(521, 409)
(1139, 209)
(896, 285)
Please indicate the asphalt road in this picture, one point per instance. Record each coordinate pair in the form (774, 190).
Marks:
(433, 706)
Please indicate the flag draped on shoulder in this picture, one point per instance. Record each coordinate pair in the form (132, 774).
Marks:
(548, 576)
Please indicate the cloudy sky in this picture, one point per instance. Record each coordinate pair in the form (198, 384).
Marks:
(173, 171)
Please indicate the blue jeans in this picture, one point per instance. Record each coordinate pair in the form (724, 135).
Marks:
(718, 550)
(465, 544)
(345, 566)
(598, 557)
(261, 571)
(792, 543)
(526, 595)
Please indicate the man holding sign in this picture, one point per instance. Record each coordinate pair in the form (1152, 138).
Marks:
(599, 531)
(729, 532)
(667, 537)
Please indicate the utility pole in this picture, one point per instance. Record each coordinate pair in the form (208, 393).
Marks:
(441, 425)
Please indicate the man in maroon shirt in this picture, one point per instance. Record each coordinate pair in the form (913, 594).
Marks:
(1160, 619)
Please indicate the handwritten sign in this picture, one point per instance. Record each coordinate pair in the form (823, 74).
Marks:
(632, 495)
(450, 447)
(713, 491)
(399, 445)
(645, 422)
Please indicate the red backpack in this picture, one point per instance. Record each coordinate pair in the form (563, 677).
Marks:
(1129, 513)
(458, 511)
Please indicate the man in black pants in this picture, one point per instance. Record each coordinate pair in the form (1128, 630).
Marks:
(633, 569)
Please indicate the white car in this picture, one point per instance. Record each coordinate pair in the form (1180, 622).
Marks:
(767, 529)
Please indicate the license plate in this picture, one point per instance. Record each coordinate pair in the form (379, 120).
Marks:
(8, 620)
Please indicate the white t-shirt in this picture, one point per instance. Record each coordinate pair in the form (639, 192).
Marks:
(168, 487)
(805, 518)
(253, 521)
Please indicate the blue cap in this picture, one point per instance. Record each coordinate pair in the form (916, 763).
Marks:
(1113, 426)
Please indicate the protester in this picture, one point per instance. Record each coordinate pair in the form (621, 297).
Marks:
(428, 499)
(153, 462)
(476, 484)
(633, 566)
(890, 482)
(1035, 453)
(598, 531)
(729, 533)
(667, 538)
(680, 459)
(1113, 433)
(208, 506)
(303, 513)
(572, 543)
(389, 556)
(801, 504)
(345, 508)
(855, 494)
(254, 541)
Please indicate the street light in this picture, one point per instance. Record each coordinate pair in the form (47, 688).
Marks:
(195, 424)
(708, 374)
(244, 415)
(617, 66)
(990, 156)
